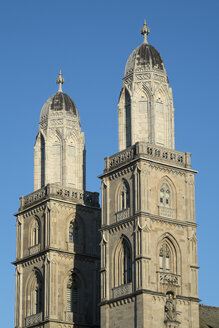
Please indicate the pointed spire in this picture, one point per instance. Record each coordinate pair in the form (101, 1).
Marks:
(145, 31)
(60, 80)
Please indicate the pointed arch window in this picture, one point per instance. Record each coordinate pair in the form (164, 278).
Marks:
(42, 178)
(72, 294)
(127, 264)
(35, 233)
(35, 297)
(165, 195)
(124, 197)
(74, 232)
(127, 118)
(123, 263)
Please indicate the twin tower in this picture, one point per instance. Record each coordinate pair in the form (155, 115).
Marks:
(132, 264)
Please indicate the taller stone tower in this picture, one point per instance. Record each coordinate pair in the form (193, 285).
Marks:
(148, 247)
(57, 253)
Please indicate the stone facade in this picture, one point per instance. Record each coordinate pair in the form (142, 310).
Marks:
(146, 232)
(59, 151)
(149, 272)
(57, 250)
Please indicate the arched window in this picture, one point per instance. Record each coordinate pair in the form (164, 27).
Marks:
(124, 197)
(72, 294)
(73, 232)
(127, 263)
(128, 118)
(42, 160)
(160, 132)
(35, 294)
(123, 263)
(35, 233)
(165, 195)
(165, 258)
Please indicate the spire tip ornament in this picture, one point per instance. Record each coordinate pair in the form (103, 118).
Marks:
(145, 31)
(60, 80)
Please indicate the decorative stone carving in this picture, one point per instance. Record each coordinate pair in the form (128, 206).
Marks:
(143, 76)
(167, 212)
(124, 214)
(68, 316)
(56, 122)
(170, 312)
(34, 249)
(169, 278)
(33, 319)
(122, 290)
(160, 154)
(54, 190)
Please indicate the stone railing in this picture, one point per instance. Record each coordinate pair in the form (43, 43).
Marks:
(120, 158)
(69, 316)
(149, 151)
(122, 290)
(167, 212)
(33, 319)
(34, 249)
(59, 192)
(121, 215)
(167, 278)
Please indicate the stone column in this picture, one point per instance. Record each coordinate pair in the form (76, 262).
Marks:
(18, 296)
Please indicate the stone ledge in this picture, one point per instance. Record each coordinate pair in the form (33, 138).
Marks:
(160, 154)
(60, 192)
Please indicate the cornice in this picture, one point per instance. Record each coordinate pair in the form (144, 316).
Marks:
(147, 291)
(152, 217)
(44, 201)
(49, 250)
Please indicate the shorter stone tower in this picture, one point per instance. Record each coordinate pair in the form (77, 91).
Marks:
(57, 252)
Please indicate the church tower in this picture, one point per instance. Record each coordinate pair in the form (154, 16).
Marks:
(148, 246)
(57, 253)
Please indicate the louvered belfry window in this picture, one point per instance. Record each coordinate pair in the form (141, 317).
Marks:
(72, 294)
(73, 232)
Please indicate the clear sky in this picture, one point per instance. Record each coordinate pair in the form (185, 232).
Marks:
(91, 41)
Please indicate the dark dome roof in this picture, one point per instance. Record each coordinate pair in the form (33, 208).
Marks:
(143, 55)
(59, 102)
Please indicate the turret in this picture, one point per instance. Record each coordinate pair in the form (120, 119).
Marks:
(59, 151)
(145, 108)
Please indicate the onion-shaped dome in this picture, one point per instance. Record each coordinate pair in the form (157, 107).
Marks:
(144, 56)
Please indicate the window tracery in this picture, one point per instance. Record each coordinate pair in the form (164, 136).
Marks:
(35, 233)
(165, 258)
(124, 197)
(165, 194)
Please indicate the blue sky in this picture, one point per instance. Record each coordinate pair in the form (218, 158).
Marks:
(91, 41)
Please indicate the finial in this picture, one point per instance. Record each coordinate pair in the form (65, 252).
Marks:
(145, 31)
(60, 80)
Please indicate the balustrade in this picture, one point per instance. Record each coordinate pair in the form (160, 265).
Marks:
(122, 290)
(151, 151)
(54, 190)
(33, 319)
